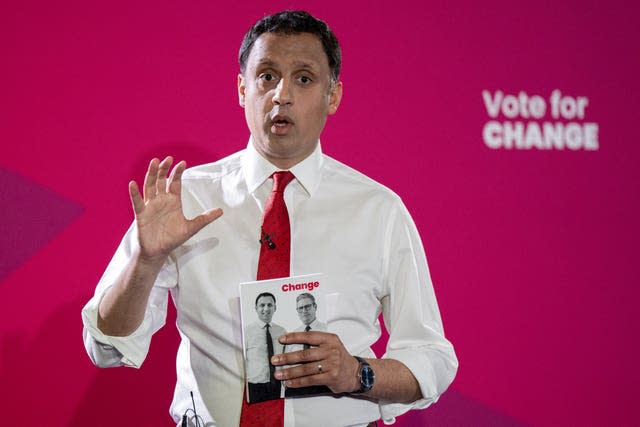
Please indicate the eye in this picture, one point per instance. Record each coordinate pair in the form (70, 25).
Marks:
(267, 77)
(304, 79)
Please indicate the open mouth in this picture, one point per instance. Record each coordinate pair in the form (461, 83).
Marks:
(280, 124)
(281, 120)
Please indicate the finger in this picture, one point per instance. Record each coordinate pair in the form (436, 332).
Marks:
(150, 178)
(196, 224)
(304, 370)
(175, 179)
(301, 356)
(136, 199)
(309, 380)
(163, 171)
(315, 338)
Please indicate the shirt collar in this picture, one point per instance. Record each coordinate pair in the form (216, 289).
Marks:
(257, 169)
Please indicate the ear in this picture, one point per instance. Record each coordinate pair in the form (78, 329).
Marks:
(241, 89)
(334, 97)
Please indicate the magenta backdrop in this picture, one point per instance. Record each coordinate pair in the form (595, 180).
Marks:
(533, 252)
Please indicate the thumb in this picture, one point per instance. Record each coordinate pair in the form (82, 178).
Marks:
(198, 223)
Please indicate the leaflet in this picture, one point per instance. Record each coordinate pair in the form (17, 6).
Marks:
(270, 308)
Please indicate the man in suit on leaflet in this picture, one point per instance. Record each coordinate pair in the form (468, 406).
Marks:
(289, 210)
(261, 342)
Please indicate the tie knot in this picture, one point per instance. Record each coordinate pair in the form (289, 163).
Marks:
(267, 326)
(280, 180)
(308, 328)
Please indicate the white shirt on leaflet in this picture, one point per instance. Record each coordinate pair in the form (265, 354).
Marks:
(343, 224)
(257, 350)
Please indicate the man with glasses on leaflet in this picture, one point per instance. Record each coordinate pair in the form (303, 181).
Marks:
(306, 307)
(288, 210)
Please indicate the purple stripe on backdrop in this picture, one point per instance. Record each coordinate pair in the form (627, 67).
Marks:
(30, 217)
(455, 410)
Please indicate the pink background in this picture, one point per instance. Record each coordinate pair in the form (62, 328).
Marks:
(533, 253)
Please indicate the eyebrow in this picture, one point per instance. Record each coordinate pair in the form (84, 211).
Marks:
(300, 65)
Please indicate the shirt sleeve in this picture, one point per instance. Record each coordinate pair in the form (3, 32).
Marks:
(412, 317)
(108, 351)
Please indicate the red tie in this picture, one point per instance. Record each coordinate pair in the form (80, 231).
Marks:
(275, 244)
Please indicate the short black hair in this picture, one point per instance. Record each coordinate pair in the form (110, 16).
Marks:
(294, 22)
(265, 294)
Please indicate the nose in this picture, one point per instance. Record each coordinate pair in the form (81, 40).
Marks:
(283, 95)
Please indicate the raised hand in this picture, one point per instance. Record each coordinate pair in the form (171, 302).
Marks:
(162, 226)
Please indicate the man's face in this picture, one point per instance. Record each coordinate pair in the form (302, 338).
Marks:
(306, 310)
(265, 307)
(287, 93)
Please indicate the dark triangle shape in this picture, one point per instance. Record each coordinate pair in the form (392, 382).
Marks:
(30, 216)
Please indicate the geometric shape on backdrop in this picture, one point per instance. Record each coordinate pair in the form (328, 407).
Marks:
(31, 215)
(456, 410)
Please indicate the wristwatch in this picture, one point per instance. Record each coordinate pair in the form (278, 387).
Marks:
(365, 375)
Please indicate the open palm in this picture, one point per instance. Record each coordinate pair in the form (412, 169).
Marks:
(161, 223)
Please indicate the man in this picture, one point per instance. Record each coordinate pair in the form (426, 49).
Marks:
(261, 339)
(306, 308)
(288, 86)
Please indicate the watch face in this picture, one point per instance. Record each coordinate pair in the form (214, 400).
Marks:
(367, 377)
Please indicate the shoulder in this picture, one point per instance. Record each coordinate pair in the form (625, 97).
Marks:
(355, 191)
(231, 164)
(336, 173)
(252, 325)
(276, 327)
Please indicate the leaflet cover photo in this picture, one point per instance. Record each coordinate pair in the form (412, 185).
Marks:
(270, 308)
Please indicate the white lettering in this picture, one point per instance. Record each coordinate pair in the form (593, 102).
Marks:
(533, 136)
(582, 102)
(537, 107)
(568, 107)
(524, 136)
(552, 135)
(512, 133)
(573, 136)
(510, 106)
(591, 136)
(567, 131)
(491, 134)
(492, 105)
(555, 99)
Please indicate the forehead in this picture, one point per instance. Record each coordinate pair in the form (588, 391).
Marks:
(273, 49)
(265, 300)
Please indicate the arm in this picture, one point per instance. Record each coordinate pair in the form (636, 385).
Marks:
(419, 363)
(394, 382)
(161, 227)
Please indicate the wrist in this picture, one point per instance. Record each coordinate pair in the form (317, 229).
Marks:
(364, 375)
(152, 261)
(355, 385)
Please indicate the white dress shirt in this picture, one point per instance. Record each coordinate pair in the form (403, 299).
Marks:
(343, 224)
(316, 325)
(257, 351)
